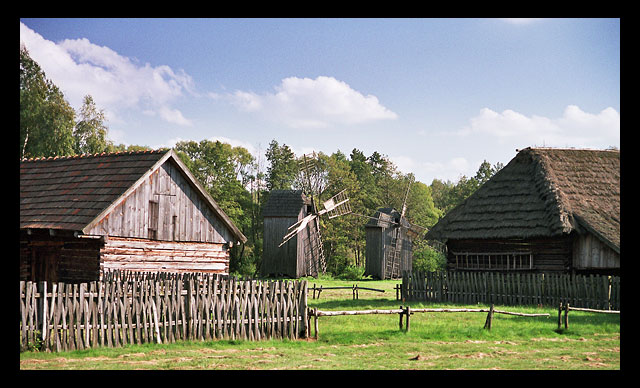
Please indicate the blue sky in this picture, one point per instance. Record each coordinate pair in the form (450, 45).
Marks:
(437, 96)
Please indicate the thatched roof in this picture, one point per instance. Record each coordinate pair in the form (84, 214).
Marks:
(543, 192)
(284, 203)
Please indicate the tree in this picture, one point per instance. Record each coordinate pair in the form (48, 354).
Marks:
(343, 237)
(46, 118)
(420, 207)
(224, 171)
(283, 168)
(447, 195)
(90, 133)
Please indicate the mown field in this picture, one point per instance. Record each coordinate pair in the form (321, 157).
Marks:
(435, 341)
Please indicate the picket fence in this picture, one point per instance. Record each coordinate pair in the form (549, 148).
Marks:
(136, 308)
(588, 291)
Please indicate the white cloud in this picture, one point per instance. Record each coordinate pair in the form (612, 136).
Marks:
(449, 170)
(79, 67)
(520, 21)
(313, 103)
(575, 128)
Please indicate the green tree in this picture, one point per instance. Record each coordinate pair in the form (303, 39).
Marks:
(420, 207)
(46, 118)
(447, 195)
(343, 237)
(224, 170)
(283, 167)
(90, 133)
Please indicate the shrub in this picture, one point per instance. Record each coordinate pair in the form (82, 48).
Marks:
(352, 272)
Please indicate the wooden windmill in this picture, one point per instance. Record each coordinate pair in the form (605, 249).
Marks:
(308, 228)
(389, 238)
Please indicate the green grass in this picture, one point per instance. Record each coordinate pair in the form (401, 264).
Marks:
(435, 341)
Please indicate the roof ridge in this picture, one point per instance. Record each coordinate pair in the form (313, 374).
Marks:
(81, 156)
(548, 148)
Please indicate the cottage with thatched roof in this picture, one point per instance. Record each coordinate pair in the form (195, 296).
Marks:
(137, 211)
(547, 210)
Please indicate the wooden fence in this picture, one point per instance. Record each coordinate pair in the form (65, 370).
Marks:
(134, 308)
(592, 291)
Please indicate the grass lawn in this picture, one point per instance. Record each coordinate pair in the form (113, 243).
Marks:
(374, 342)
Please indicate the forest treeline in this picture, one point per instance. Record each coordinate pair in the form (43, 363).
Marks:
(241, 182)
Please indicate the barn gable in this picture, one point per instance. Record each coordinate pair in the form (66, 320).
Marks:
(140, 211)
(80, 193)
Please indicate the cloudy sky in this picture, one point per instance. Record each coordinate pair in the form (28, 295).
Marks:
(437, 96)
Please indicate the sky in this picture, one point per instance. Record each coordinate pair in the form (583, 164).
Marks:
(436, 96)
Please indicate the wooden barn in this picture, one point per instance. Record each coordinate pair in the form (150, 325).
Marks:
(283, 209)
(548, 210)
(380, 234)
(138, 211)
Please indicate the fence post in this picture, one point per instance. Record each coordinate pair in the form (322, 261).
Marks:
(566, 316)
(487, 324)
(408, 313)
(315, 321)
(560, 316)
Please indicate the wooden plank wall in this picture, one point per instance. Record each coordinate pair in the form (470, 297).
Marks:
(72, 260)
(592, 291)
(549, 254)
(285, 260)
(143, 255)
(378, 246)
(134, 308)
(183, 214)
(590, 253)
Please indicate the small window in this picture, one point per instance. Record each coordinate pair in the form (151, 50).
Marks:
(153, 220)
(498, 261)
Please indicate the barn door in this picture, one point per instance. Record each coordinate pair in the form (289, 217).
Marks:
(44, 264)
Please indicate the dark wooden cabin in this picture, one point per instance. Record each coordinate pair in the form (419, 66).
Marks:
(138, 211)
(548, 210)
(283, 209)
(379, 233)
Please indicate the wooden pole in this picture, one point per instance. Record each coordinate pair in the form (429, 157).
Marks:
(487, 324)
(400, 314)
(566, 316)
(408, 313)
(560, 316)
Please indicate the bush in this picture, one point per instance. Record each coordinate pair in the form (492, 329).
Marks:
(352, 272)
(427, 259)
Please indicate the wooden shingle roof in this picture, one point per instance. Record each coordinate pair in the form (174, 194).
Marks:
(284, 203)
(543, 192)
(74, 192)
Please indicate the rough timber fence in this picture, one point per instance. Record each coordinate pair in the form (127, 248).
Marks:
(133, 308)
(592, 291)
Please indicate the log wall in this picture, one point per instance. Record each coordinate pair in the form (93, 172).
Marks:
(134, 254)
(549, 254)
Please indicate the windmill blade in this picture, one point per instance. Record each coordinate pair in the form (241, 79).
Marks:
(415, 231)
(305, 165)
(297, 228)
(406, 195)
(337, 205)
